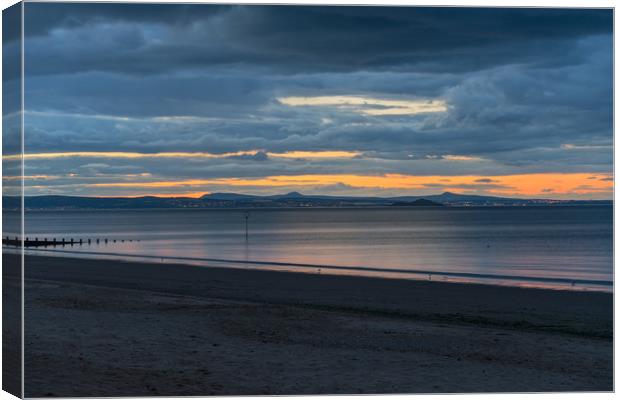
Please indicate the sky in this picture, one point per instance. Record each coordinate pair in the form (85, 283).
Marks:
(183, 100)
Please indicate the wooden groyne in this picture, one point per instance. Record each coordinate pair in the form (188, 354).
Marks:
(51, 242)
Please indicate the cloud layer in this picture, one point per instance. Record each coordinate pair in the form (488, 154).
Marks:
(409, 91)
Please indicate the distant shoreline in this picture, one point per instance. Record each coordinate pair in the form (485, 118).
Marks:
(373, 207)
(292, 200)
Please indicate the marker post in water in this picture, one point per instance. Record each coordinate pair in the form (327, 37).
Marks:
(246, 215)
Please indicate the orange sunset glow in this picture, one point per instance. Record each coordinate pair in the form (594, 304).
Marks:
(541, 184)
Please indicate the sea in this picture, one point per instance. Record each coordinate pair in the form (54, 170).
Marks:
(569, 247)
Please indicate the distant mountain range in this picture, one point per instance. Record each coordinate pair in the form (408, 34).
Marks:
(288, 200)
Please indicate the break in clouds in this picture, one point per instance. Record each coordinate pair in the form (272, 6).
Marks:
(338, 93)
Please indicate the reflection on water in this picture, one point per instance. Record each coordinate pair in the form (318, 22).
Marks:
(555, 242)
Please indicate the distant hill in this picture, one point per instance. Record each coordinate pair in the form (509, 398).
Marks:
(287, 200)
(417, 203)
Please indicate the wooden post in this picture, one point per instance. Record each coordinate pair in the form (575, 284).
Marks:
(247, 215)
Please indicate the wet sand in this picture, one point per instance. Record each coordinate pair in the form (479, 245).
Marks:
(111, 328)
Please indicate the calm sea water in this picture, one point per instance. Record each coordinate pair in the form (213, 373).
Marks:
(472, 244)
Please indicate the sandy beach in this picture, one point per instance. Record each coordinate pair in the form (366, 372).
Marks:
(111, 328)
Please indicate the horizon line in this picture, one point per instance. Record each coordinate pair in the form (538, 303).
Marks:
(199, 195)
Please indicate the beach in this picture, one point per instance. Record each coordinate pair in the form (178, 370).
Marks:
(111, 328)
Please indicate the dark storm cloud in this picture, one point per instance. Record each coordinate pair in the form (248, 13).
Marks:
(165, 38)
(43, 17)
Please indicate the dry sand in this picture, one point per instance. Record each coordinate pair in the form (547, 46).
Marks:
(111, 328)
